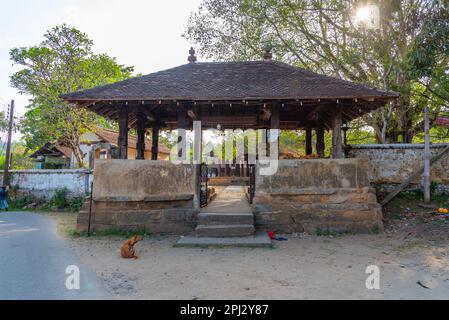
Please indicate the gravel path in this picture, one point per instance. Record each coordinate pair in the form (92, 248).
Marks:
(306, 267)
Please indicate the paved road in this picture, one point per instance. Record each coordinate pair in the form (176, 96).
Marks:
(34, 258)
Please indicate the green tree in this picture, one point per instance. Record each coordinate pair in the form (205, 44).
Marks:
(320, 35)
(428, 63)
(64, 62)
(20, 157)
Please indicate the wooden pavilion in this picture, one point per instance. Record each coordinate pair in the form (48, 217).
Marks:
(255, 94)
(167, 197)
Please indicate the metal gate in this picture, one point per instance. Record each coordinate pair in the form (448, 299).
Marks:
(204, 180)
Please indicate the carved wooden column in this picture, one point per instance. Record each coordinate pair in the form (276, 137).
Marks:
(320, 144)
(182, 134)
(141, 130)
(337, 150)
(275, 124)
(155, 143)
(123, 134)
(309, 150)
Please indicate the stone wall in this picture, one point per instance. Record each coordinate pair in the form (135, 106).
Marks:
(394, 163)
(41, 184)
(318, 195)
(150, 196)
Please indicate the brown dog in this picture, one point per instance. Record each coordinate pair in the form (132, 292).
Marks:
(127, 249)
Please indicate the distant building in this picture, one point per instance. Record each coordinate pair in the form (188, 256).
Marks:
(96, 144)
(52, 156)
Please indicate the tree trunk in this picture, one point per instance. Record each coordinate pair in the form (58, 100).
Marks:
(79, 156)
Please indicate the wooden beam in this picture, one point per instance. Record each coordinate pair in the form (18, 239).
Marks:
(241, 120)
(123, 134)
(141, 130)
(337, 149)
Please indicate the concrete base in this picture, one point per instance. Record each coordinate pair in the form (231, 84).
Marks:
(224, 231)
(260, 240)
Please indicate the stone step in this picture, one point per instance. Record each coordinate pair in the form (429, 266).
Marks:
(222, 231)
(206, 218)
(260, 240)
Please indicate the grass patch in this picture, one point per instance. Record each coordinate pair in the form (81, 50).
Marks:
(375, 229)
(412, 203)
(331, 233)
(66, 221)
(112, 233)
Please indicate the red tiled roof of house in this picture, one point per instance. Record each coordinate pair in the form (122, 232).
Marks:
(111, 136)
(442, 121)
(53, 149)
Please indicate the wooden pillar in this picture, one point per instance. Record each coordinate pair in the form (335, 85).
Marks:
(309, 149)
(141, 130)
(337, 150)
(275, 124)
(155, 143)
(123, 134)
(320, 144)
(182, 134)
(197, 142)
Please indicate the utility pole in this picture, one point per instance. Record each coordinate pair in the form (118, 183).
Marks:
(8, 146)
(426, 178)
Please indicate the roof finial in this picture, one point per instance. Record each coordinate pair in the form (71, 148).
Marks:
(268, 55)
(192, 56)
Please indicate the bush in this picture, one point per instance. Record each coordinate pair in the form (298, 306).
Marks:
(75, 204)
(19, 202)
(60, 198)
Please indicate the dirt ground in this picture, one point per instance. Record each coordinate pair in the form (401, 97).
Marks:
(412, 256)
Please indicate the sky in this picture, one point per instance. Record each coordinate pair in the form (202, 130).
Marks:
(145, 34)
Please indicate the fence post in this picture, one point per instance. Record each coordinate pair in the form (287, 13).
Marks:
(426, 178)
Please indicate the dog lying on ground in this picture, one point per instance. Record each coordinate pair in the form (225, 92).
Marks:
(127, 250)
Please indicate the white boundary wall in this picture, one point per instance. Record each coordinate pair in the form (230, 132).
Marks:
(42, 184)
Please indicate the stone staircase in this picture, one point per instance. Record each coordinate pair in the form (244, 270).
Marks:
(224, 225)
(229, 215)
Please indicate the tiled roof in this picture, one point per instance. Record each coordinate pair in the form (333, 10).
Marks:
(53, 149)
(230, 80)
